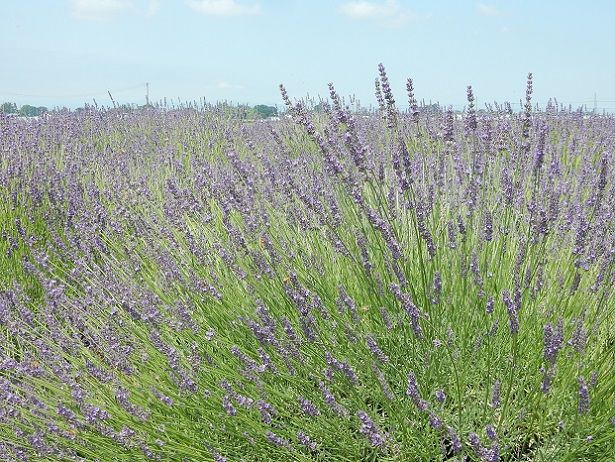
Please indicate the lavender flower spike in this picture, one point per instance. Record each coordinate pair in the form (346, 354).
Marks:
(370, 430)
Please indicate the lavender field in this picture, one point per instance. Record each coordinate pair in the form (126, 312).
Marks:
(402, 285)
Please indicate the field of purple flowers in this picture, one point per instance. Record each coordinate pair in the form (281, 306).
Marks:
(413, 285)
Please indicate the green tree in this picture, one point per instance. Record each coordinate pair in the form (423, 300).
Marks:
(264, 112)
(28, 111)
(9, 108)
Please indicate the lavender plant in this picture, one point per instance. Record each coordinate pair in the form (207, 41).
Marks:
(401, 285)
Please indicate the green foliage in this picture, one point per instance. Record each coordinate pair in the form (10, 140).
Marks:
(9, 108)
(28, 111)
(263, 111)
(129, 228)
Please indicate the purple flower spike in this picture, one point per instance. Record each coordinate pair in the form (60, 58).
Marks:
(583, 396)
(370, 430)
(306, 442)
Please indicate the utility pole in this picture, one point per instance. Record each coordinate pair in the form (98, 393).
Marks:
(595, 103)
(147, 93)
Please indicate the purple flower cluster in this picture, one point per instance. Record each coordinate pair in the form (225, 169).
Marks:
(410, 308)
(487, 454)
(264, 282)
(371, 431)
(413, 392)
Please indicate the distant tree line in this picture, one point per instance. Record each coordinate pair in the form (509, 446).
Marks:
(242, 111)
(26, 110)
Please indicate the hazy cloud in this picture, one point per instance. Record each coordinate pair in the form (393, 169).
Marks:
(152, 7)
(99, 10)
(389, 12)
(93, 10)
(224, 85)
(488, 10)
(223, 7)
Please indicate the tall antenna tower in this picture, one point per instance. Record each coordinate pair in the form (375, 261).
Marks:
(595, 103)
(147, 93)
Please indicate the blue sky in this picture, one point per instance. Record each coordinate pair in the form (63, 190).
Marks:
(57, 52)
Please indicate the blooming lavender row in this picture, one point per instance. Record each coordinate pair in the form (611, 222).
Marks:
(176, 284)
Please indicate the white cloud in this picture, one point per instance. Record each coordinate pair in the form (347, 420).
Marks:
(369, 10)
(93, 10)
(152, 7)
(488, 10)
(223, 7)
(388, 12)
